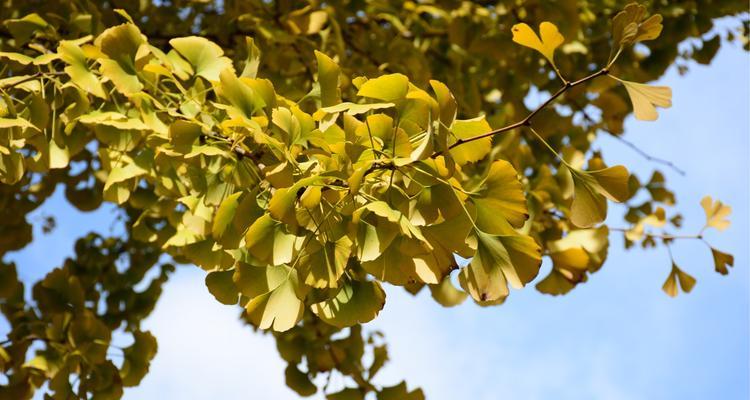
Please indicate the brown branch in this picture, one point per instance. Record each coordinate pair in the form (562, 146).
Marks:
(527, 120)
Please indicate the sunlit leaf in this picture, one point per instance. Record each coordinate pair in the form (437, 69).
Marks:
(716, 213)
(549, 41)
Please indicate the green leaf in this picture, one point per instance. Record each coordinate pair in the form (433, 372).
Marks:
(205, 56)
(500, 260)
(221, 285)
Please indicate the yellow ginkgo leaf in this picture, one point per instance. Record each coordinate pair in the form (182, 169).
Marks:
(645, 98)
(551, 38)
(686, 281)
(716, 213)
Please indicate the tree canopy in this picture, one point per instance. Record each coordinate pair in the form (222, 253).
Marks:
(306, 153)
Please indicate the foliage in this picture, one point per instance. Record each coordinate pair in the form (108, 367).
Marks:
(304, 154)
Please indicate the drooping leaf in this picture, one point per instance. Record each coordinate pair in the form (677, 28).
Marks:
(221, 285)
(646, 98)
(273, 293)
(446, 294)
(721, 261)
(355, 303)
(500, 260)
(686, 282)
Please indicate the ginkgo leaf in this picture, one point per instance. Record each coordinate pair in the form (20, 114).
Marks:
(716, 213)
(121, 45)
(500, 260)
(221, 285)
(474, 150)
(239, 94)
(550, 38)
(267, 240)
(628, 26)
(356, 109)
(273, 293)
(137, 358)
(225, 214)
(328, 79)
(676, 275)
(501, 203)
(591, 191)
(446, 294)
(252, 62)
(400, 392)
(323, 264)
(388, 88)
(581, 251)
(311, 197)
(646, 98)
(205, 56)
(355, 303)
(299, 381)
(721, 261)
(78, 69)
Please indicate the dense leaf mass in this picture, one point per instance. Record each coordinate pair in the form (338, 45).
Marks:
(305, 154)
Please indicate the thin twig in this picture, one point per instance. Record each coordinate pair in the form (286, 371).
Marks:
(527, 119)
(626, 142)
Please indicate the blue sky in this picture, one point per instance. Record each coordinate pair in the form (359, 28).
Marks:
(617, 337)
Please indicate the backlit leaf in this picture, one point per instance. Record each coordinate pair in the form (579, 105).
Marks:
(646, 98)
(355, 303)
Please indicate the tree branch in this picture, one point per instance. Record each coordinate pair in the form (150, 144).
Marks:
(527, 120)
